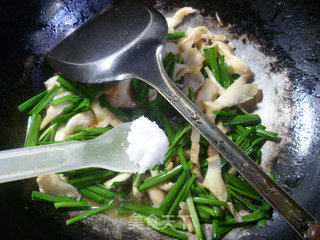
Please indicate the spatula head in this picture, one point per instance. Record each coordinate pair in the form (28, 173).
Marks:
(116, 44)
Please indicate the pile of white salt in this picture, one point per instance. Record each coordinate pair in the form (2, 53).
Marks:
(148, 144)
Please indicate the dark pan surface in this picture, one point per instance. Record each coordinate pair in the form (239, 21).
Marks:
(287, 30)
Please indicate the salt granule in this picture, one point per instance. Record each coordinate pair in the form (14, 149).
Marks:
(148, 143)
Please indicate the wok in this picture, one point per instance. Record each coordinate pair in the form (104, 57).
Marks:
(278, 39)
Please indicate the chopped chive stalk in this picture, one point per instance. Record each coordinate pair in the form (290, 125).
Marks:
(255, 216)
(82, 171)
(240, 183)
(32, 101)
(141, 90)
(261, 223)
(182, 159)
(167, 60)
(244, 193)
(90, 213)
(167, 127)
(182, 195)
(178, 226)
(67, 84)
(248, 204)
(69, 108)
(33, 130)
(209, 201)
(86, 178)
(118, 183)
(93, 130)
(83, 106)
(36, 195)
(47, 134)
(123, 211)
(212, 61)
(195, 219)
(226, 113)
(73, 98)
(171, 66)
(80, 137)
(143, 209)
(45, 100)
(219, 231)
(224, 74)
(273, 136)
(177, 137)
(177, 35)
(191, 95)
(249, 119)
(161, 227)
(102, 190)
(63, 118)
(92, 195)
(152, 181)
(80, 204)
(136, 182)
(170, 197)
(215, 212)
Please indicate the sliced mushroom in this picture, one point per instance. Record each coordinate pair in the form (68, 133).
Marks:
(119, 178)
(55, 111)
(178, 16)
(192, 63)
(56, 184)
(214, 183)
(238, 92)
(193, 80)
(194, 152)
(198, 35)
(170, 47)
(135, 192)
(213, 180)
(166, 186)
(156, 196)
(120, 94)
(208, 92)
(60, 133)
(51, 82)
(103, 116)
(84, 119)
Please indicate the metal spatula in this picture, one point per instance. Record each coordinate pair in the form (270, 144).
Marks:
(127, 42)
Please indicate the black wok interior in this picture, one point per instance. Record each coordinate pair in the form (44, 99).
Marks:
(288, 30)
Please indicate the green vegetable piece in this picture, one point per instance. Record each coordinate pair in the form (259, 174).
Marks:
(176, 35)
(92, 195)
(36, 195)
(73, 98)
(152, 181)
(195, 219)
(90, 213)
(161, 227)
(143, 209)
(209, 201)
(45, 100)
(174, 191)
(80, 204)
(32, 101)
(33, 130)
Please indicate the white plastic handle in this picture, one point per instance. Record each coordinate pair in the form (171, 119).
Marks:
(30, 162)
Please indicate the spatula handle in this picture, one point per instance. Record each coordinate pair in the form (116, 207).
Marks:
(30, 162)
(295, 215)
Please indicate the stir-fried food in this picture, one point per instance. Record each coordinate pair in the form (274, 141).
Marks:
(192, 184)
